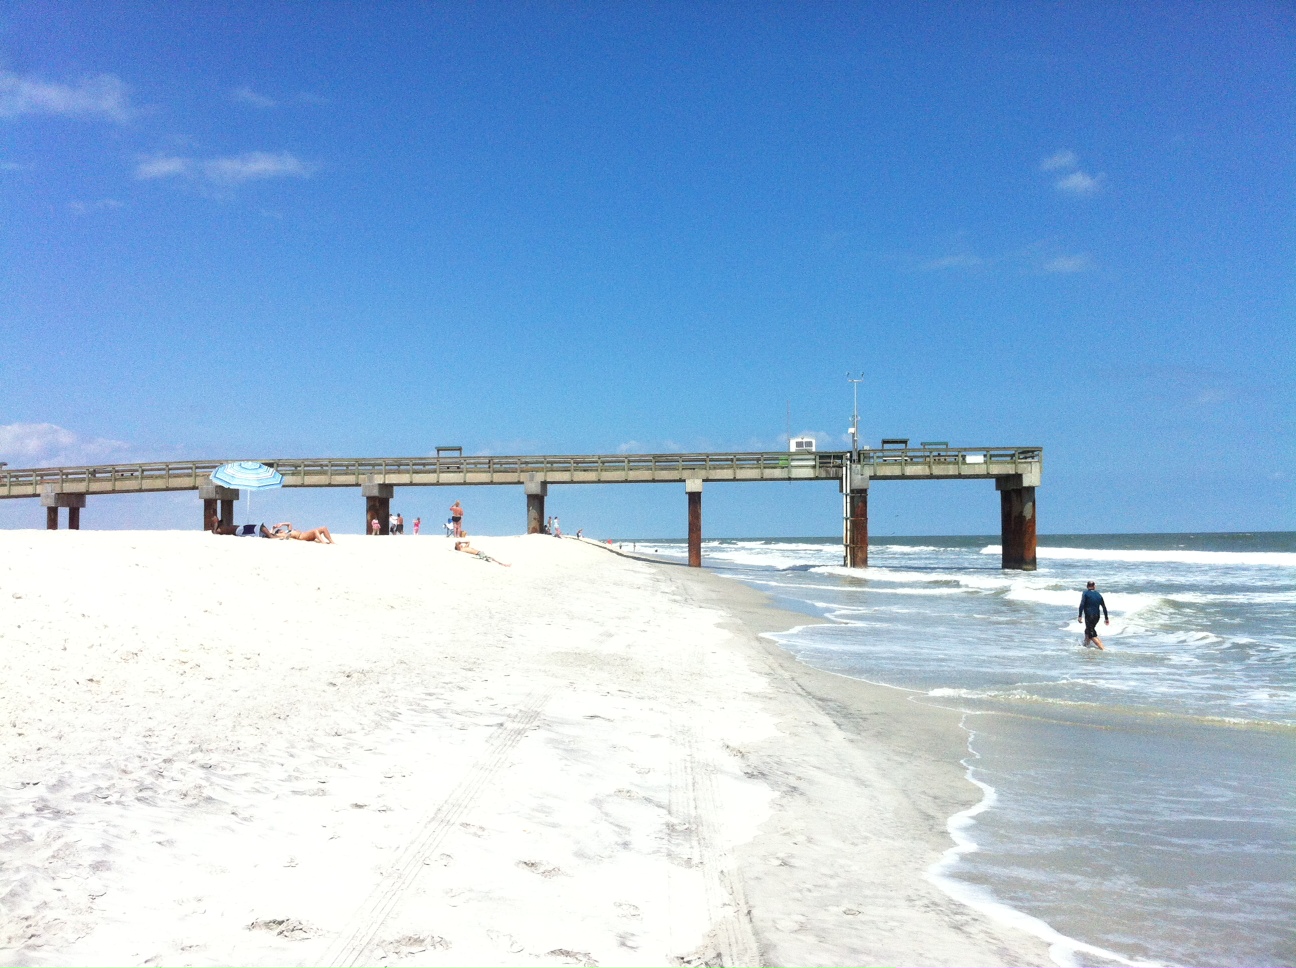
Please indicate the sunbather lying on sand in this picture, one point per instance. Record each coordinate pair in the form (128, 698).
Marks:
(468, 549)
(320, 534)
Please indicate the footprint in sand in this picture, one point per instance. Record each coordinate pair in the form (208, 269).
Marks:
(413, 944)
(289, 928)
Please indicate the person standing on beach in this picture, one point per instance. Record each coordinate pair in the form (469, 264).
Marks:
(1091, 604)
(400, 523)
(417, 522)
(456, 519)
(374, 526)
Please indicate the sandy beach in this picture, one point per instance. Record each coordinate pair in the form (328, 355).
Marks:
(221, 750)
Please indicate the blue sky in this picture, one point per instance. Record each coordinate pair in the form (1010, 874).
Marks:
(261, 230)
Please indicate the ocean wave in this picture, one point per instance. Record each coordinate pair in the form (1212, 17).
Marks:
(877, 573)
(1280, 559)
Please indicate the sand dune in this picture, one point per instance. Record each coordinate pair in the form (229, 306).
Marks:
(221, 750)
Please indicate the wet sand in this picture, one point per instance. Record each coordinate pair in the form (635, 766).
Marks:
(221, 750)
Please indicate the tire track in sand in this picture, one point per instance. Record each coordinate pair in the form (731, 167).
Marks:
(362, 929)
(695, 838)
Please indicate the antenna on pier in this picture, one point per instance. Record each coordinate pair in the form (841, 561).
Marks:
(854, 427)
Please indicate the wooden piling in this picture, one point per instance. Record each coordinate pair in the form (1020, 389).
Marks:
(74, 518)
(51, 518)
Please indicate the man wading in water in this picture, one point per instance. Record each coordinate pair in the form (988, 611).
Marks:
(1090, 604)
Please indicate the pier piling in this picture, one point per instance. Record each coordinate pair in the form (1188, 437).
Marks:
(378, 504)
(53, 500)
(1017, 523)
(694, 490)
(855, 489)
(218, 505)
(536, 491)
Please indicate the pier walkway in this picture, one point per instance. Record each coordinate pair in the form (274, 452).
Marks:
(1015, 471)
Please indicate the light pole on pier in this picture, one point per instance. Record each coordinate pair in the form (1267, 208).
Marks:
(854, 427)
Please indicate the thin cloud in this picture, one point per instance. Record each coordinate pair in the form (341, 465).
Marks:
(103, 205)
(163, 167)
(227, 171)
(1075, 180)
(245, 95)
(964, 260)
(49, 445)
(1059, 161)
(1069, 263)
(1079, 183)
(10, 166)
(103, 96)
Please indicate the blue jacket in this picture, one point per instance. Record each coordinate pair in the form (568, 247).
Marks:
(1090, 603)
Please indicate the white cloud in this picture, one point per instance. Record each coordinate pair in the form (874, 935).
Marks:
(102, 96)
(103, 205)
(10, 166)
(964, 260)
(49, 445)
(245, 95)
(231, 170)
(1079, 183)
(1069, 263)
(1076, 181)
(253, 166)
(162, 166)
(1059, 161)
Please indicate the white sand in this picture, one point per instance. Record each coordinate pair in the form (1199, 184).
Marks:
(220, 750)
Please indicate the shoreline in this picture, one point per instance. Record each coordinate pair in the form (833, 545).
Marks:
(393, 751)
(908, 773)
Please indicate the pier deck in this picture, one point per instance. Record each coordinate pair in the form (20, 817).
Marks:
(1015, 471)
(909, 464)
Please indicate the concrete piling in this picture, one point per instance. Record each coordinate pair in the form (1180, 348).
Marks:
(694, 491)
(218, 505)
(1016, 524)
(536, 491)
(855, 489)
(857, 529)
(378, 499)
(53, 500)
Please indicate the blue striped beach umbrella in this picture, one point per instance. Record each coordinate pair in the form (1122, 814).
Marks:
(247, 475)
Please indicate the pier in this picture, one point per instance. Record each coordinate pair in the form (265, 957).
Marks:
(1015, 472)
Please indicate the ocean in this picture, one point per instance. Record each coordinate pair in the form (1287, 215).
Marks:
(1139, 803)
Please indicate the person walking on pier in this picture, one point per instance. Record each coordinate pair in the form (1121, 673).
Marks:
(1091, 604)
(456, 519)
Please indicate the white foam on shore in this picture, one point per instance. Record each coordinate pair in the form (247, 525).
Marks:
(1279, 559)
(1062, 949)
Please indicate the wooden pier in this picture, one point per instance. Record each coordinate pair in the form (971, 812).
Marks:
(1014, 470)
